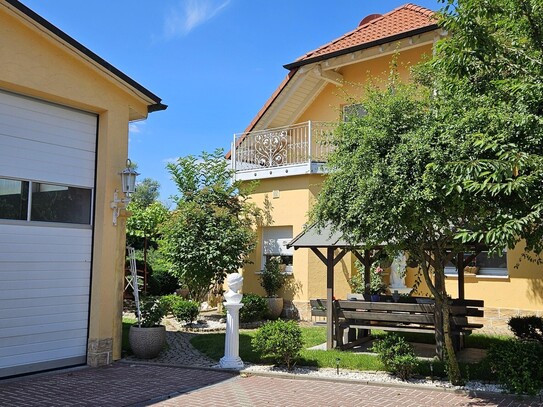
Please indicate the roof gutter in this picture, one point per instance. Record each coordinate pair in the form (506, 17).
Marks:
(153, 107)
(381, 41)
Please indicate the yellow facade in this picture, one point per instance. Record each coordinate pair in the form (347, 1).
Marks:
(518, 293)
(35, 62)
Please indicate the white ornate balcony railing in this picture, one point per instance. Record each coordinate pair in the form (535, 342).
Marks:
(304, 144)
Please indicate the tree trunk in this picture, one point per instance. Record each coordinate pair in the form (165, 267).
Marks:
(455, 377)
(442, 316)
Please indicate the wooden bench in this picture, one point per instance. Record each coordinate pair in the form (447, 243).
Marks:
(318, 311)
(400, 317)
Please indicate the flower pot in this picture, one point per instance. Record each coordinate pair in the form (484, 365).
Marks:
(275, 307)
(375, 297)
(146, 343)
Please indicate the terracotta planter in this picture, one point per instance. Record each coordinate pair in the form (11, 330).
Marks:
(275, 307)
(146, 343)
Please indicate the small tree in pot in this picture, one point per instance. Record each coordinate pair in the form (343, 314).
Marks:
(147, 338)
(272, 280)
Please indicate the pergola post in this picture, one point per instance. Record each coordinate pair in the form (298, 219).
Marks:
(329, 298)
(460, 270)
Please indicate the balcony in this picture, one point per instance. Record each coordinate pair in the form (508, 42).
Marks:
(283, 151)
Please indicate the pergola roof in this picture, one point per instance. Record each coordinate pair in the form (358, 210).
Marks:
(316, 236)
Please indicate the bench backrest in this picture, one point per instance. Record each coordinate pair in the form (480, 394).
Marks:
(390, 312)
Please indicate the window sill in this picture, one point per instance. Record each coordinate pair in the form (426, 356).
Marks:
(478, 276)
(286, 273)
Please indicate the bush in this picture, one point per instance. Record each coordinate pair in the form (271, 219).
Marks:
(183, 310)
(396, 355)
(527, 328)
(279, 340)
(162, 283)
(272, 279)
(152, 309)
(518, 366)
(254, 308)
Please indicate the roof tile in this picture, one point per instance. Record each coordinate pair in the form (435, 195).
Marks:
(402, 19)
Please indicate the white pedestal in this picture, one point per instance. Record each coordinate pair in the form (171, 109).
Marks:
(231, 359)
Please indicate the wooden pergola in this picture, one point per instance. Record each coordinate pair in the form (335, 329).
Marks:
(336, 247)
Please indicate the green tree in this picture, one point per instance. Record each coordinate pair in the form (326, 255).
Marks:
(455, 158)
(491, 68)
(210, 232)
(147, 214)
(147, 192)
(386, 185)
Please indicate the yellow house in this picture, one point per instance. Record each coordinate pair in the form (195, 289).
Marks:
(64, 116)
(282, 149)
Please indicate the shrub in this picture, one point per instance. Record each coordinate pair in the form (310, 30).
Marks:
(279, 340)
(272, 279)
(254, 308)
(517, 365)
(183, 310)
(162, 283)
(527, 327)
(396, 355)
(152, 309)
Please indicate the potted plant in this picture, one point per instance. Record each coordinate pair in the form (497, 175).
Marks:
(147, 338)
(272, 280)
(376, 284)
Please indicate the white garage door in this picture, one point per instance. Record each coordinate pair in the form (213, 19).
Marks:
(47, 166)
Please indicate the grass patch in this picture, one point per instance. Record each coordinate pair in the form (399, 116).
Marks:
(212, 345)
(127, 323)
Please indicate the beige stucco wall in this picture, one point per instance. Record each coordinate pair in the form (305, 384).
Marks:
(34, 63)
(522, 290)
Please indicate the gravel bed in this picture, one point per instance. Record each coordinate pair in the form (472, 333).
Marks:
(370, 377)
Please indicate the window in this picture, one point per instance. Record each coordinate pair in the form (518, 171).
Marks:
(483, 265)
(353, 111)
(44, 202)
(13, 199)
(274, 243)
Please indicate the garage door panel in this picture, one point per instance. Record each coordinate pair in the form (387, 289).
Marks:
(46, 163)
(39, 302)
(64, 316)
(30, 119)
(36, 357)
(45, 284)
(45, 310)
(44, 267)
(41, 346)
(67, 292)
(12, 333)
(31, 130)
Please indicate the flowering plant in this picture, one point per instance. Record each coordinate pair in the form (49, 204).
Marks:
(376, 283)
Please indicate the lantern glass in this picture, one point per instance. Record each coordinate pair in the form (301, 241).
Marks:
(128, 179)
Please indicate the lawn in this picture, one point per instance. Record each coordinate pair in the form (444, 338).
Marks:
(213, 346)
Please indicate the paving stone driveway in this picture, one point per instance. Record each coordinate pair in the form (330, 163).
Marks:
(125, 384)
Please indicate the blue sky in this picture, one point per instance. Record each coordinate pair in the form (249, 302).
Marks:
(213, 62)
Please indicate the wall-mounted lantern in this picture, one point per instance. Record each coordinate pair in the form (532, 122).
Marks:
(128, 182)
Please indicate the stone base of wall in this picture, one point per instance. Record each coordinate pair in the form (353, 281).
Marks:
(495, 319)
(100, 352)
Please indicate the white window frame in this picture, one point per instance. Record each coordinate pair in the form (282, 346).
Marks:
(484, 272)
(274, 242)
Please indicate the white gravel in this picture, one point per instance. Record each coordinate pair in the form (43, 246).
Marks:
(369, 377)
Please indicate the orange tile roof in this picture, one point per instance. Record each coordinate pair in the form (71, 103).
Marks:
(372, 30)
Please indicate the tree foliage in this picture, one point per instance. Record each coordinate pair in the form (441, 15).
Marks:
(491, 70)
(454, 158)
(210, 232)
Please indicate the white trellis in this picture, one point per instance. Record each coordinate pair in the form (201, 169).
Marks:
(132, 281)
